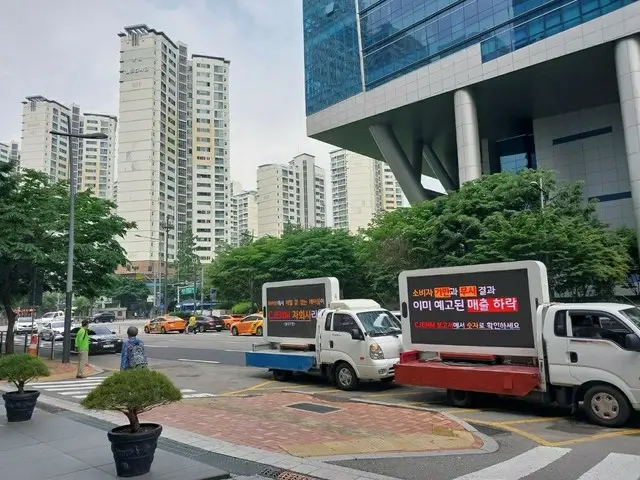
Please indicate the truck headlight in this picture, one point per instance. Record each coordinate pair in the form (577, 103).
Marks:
(375, 352)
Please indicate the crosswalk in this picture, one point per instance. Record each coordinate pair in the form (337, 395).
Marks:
(615, 466)
(79, 388)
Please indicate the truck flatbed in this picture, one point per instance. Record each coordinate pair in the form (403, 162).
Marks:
(516, 380)
(290, 360)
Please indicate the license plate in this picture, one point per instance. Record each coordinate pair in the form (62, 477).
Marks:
(108, 345)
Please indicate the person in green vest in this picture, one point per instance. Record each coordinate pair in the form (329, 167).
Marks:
(82, 347)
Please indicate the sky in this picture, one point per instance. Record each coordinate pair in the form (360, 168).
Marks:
(68, 51)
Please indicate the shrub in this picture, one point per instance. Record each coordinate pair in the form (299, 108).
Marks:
(21, 368)
(242, 308)
(133, 392)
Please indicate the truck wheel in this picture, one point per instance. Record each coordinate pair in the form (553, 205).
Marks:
(460, 398)
(346, 378)
(281, 375)
(606, 406)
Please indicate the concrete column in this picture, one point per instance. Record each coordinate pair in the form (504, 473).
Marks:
(400, 165)
(467, 136)
(438, 168)
(627, 53)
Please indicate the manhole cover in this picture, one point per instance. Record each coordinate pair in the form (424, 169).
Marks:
(313, 407)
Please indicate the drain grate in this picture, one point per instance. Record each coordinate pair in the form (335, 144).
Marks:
(271, 472)
(294, 476)
(313, 407)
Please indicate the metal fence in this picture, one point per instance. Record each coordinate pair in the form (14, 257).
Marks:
(22, 341)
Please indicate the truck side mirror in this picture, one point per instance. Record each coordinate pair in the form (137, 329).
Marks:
(632, 342)
(357, 335)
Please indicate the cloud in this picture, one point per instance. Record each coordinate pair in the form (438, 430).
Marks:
(68, 50)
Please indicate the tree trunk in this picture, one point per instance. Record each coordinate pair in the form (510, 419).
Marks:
(133, 420)
(11, 320)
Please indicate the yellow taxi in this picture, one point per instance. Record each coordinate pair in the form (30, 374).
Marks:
(249, 325)
(165, 324)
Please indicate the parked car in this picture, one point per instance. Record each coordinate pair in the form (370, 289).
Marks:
(251, 324)
(103, 317)
(25, 325)
(101, 340)
(207, 324)
(53, 331)
(227, 320)
(165, 324)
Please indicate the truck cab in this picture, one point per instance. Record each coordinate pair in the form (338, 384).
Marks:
(592, 355)
(358, 340)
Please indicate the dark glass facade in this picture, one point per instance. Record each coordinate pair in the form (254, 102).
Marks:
(515, 154)
(399, 36)
(331, 53)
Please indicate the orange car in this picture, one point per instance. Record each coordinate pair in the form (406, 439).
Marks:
(165, 324)
(227, 320)
(249, 325)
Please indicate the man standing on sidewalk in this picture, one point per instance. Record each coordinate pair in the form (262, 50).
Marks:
(82, 347)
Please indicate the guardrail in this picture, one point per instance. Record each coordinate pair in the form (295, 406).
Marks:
(21, 342)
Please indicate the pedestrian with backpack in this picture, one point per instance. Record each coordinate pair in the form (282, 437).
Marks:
(133, 354)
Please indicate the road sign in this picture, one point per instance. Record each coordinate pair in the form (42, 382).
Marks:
(186, 291)
(212, 291)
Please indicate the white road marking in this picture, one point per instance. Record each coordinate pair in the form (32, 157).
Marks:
(74, 392)
(199, 395)
(196, 361)
(243, 351)
(72, 387)
(615, 466)
(80, 397)
(186, 390)
(520, 466)
(67, 382)
(156, 346)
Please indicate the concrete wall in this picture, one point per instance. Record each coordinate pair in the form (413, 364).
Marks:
(589, 145)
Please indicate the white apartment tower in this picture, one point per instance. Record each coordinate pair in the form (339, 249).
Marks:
(291, 194)
(93, 159)
(9, 152)
(361, 188)
(167, 147)
(210, 157)
(244, 217)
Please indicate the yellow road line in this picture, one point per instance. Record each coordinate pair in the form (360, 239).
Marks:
(530, 420)
(598, 436)
(255, 387)
(460, 410)
(509, 428)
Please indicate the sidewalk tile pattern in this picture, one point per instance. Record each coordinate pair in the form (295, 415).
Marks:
(266, 422)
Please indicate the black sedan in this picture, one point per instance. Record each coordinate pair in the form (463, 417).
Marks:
(101, 340)
(207, 324)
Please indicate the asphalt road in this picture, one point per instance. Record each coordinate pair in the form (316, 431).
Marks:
(535, 443)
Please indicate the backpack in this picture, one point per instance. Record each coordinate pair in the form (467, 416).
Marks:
(137, 355)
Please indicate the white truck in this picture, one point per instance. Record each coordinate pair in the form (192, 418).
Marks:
(492, 329)
(308, 330)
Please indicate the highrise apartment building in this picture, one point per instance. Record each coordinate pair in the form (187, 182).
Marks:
(291, 194)
(244, 217)
(9, 152)
(173, 167)
(93, 159)
(361, 188)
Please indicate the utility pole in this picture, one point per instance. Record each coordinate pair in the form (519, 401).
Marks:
(541, 193)
(165, 301)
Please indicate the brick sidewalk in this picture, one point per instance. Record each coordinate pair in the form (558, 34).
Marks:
(268, 422)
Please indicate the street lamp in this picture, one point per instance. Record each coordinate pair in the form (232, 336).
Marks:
(66, 342)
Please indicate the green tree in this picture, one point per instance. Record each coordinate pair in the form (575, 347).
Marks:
(186, 258)
(127, 290)
(82, 306)
(500, 218)
(35, 214)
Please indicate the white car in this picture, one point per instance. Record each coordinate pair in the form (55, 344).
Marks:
(25, 325)
(53, 330)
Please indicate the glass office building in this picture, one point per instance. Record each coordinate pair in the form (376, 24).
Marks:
(453, 89)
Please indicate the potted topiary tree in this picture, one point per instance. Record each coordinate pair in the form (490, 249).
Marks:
(20, 369)
(133, 392)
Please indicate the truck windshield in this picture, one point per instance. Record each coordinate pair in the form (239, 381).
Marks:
(633, 315)
(379, 322)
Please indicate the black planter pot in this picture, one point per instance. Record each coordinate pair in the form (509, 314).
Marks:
(133, 452)
(20, 406)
